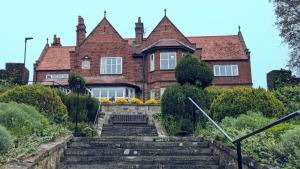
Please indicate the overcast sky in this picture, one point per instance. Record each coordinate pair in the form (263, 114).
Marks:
(43, 18)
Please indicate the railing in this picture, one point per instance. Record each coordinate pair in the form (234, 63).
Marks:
(95, 124)
(237, 142)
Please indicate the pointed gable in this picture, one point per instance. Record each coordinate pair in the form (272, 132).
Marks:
(166, 30)
(103, 32)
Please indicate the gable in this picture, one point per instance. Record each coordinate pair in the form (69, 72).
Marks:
(104, 32)
(166, 30)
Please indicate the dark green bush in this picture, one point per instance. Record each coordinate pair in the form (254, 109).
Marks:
(88, 107)
(289, 96)
(21, 120)
(236, 101)
(73, 83)
(41, 97)
(84, 129)
(173, 101)
(193, 71)
(280, 78)
(5, 140)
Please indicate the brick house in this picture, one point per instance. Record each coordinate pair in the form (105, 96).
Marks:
(143, 67)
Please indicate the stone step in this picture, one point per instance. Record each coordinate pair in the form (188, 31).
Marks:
(178, 151)
(138, 139)
(142, 160)
(136, 144)
(137, 166)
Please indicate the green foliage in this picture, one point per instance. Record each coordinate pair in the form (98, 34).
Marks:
(193, 71)
(211, 93)
(289, 96)
(4, 85)
(74, 80)
(41, 97)
(88, 107)
(236, 101)
(84, 129)
(21, 120)
(5, 140)
(172, 102)
(280, 78)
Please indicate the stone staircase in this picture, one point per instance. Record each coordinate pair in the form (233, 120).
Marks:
(138, 153)
(132, 143)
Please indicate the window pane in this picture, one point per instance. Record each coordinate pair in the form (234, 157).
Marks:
(228, 70)
(164, 64)
(104, 93)
(216, 70)
(163, 55)
(111, 93)
(235, 70)
(119, 92)
(96, 93)
(172, 64)
(114, 69)
(222, 70)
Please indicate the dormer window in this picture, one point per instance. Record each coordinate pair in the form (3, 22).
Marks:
(167, 60)
(86, 63)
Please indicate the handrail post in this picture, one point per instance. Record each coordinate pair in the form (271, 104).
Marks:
(239, 155)
(194, 118)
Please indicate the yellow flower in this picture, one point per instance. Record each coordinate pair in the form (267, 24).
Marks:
(152, 101)
(121, 101)
(105, 101)
(136, 101)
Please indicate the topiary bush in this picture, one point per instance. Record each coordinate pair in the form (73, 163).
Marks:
(73, 83)
(236, 101)
(193, 71)
(289, 96)
(5, 140)
(42, 98)
(88, 107)
(22, 120)
(173, 101)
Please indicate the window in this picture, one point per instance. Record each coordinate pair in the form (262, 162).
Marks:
(152, 63)
(113, 92)
(226, 70)
(162, 90)
(167, 60)
(152, 94)
(57, 76)
(111, 65)
(86, 64)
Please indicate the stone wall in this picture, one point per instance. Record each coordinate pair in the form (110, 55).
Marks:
(48, 156)
(228, 157)
(131, 108)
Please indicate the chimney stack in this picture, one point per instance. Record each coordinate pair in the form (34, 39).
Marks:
(56, 41)
(139, 31)
(80, 31)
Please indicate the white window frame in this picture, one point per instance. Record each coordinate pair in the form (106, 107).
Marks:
(152, 62)
(152, 94)
(168, 59)
(103, 67)
(162, 90)
(57, 76)
(86, 64)
(98, 91)
(227, 68)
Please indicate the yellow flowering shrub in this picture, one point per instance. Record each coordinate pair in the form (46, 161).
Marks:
(121, 101)
(152, 101)
(136, 101)
(105, 101)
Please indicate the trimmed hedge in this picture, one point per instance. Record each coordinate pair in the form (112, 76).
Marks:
(41, 97)
(5, 140)
(88, 107)
(236, 101)
(193, 71)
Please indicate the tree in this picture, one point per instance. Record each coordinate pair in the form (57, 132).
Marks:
(73, 83)
(193, 71)
(288, 22)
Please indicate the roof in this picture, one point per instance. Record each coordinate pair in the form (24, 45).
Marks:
(228, 47)
(108, 80)
(168, 43)
(55, 58)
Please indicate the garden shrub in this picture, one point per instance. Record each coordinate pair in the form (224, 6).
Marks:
(5, 140)
(121, 101)
(211, 93)
(41, 97)
(151, 101)
(289, 96)
(193, 71)
(73, 83)
(136, 101)
(88, 107)
(172, 101)
(235, 101)
(22, 120)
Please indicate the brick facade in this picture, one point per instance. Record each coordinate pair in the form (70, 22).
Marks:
(105, 41)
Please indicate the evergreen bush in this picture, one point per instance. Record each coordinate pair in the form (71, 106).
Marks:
(44, 99)
(73, 83)
(236, 101)
(5, 140)
(289, 96)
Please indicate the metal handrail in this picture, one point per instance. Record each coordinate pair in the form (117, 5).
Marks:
(237, 142)
(96, 118)
(211, 120)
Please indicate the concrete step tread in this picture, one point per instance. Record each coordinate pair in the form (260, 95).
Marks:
(145, 139)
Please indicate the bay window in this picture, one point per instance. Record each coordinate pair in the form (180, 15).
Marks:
(167, 60)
